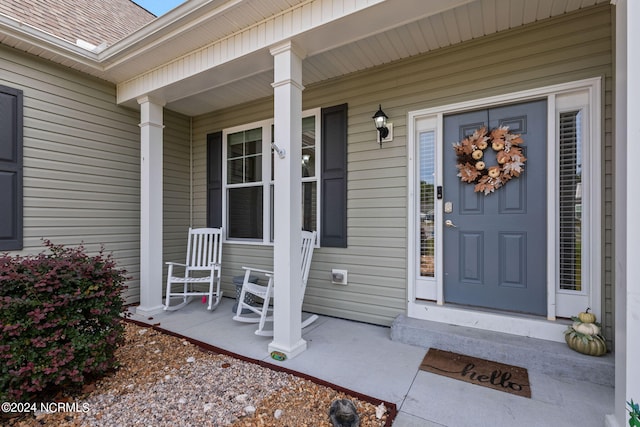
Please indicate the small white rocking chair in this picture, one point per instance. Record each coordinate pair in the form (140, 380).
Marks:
(204, 254)
(266, 292)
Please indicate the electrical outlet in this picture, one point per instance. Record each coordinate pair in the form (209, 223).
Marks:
(339, 277)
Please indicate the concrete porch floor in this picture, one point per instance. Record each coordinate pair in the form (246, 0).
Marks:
(363, 358)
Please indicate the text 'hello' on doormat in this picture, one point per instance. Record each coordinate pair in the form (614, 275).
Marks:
(495, 375)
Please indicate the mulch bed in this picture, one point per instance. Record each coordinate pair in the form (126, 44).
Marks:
(152, 357)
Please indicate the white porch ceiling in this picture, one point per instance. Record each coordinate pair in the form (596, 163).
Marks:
(343, 56)
(385, 31)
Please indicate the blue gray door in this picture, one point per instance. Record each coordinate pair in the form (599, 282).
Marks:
(495, 244)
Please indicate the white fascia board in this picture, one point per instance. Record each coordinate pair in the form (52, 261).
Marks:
(21, 32)
(275, 29)
(163, 30)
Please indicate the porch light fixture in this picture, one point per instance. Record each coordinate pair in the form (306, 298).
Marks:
(380, 120)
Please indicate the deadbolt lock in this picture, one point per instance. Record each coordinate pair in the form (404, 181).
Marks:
(448, 207)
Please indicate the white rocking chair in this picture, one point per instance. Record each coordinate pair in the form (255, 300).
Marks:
(266, 292)
(204, 255)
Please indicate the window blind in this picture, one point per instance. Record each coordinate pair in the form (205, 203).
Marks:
(570, 201)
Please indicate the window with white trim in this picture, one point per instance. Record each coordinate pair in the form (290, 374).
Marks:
(244, 184)
(248, 179)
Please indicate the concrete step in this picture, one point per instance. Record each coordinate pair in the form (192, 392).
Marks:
(550, 358)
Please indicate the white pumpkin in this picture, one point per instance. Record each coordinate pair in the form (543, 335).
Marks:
(586, 328)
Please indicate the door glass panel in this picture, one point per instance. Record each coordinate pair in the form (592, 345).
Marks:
(426, 204)
(570, 201)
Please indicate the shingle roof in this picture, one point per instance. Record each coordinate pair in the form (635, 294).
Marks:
(94, 21)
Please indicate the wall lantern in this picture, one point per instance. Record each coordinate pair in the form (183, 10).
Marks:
(380, 120)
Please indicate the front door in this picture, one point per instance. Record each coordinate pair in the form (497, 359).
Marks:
(495, 244)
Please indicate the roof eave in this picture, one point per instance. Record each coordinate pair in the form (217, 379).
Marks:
(163, 29)
(104, 64)
(17, 34)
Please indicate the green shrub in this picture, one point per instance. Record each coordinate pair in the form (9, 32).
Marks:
(60, 320)
(634, 414)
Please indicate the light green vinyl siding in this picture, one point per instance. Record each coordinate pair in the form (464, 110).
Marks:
(176, 187)
(568, 48)
(82, 165)
(81, 162)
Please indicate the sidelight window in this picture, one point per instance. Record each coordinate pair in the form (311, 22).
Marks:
(427, 203)
(570, 200)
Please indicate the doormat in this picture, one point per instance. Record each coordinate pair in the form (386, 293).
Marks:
(495, 375)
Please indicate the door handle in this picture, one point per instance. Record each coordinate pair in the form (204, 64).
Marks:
(450, 223)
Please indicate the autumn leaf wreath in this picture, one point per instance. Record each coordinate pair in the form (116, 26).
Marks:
(471, 164)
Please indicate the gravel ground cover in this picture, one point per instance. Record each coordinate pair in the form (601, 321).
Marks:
(167, 381)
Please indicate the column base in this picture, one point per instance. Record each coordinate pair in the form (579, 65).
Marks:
(289, 351)
(149, 311)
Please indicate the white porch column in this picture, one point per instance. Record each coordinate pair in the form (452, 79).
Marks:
(627, 289)
(150, 206)
(287, 106)
(632, 226)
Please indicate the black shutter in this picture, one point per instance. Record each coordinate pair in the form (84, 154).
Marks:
(214, 180)
(10, 169)
(334, 177)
